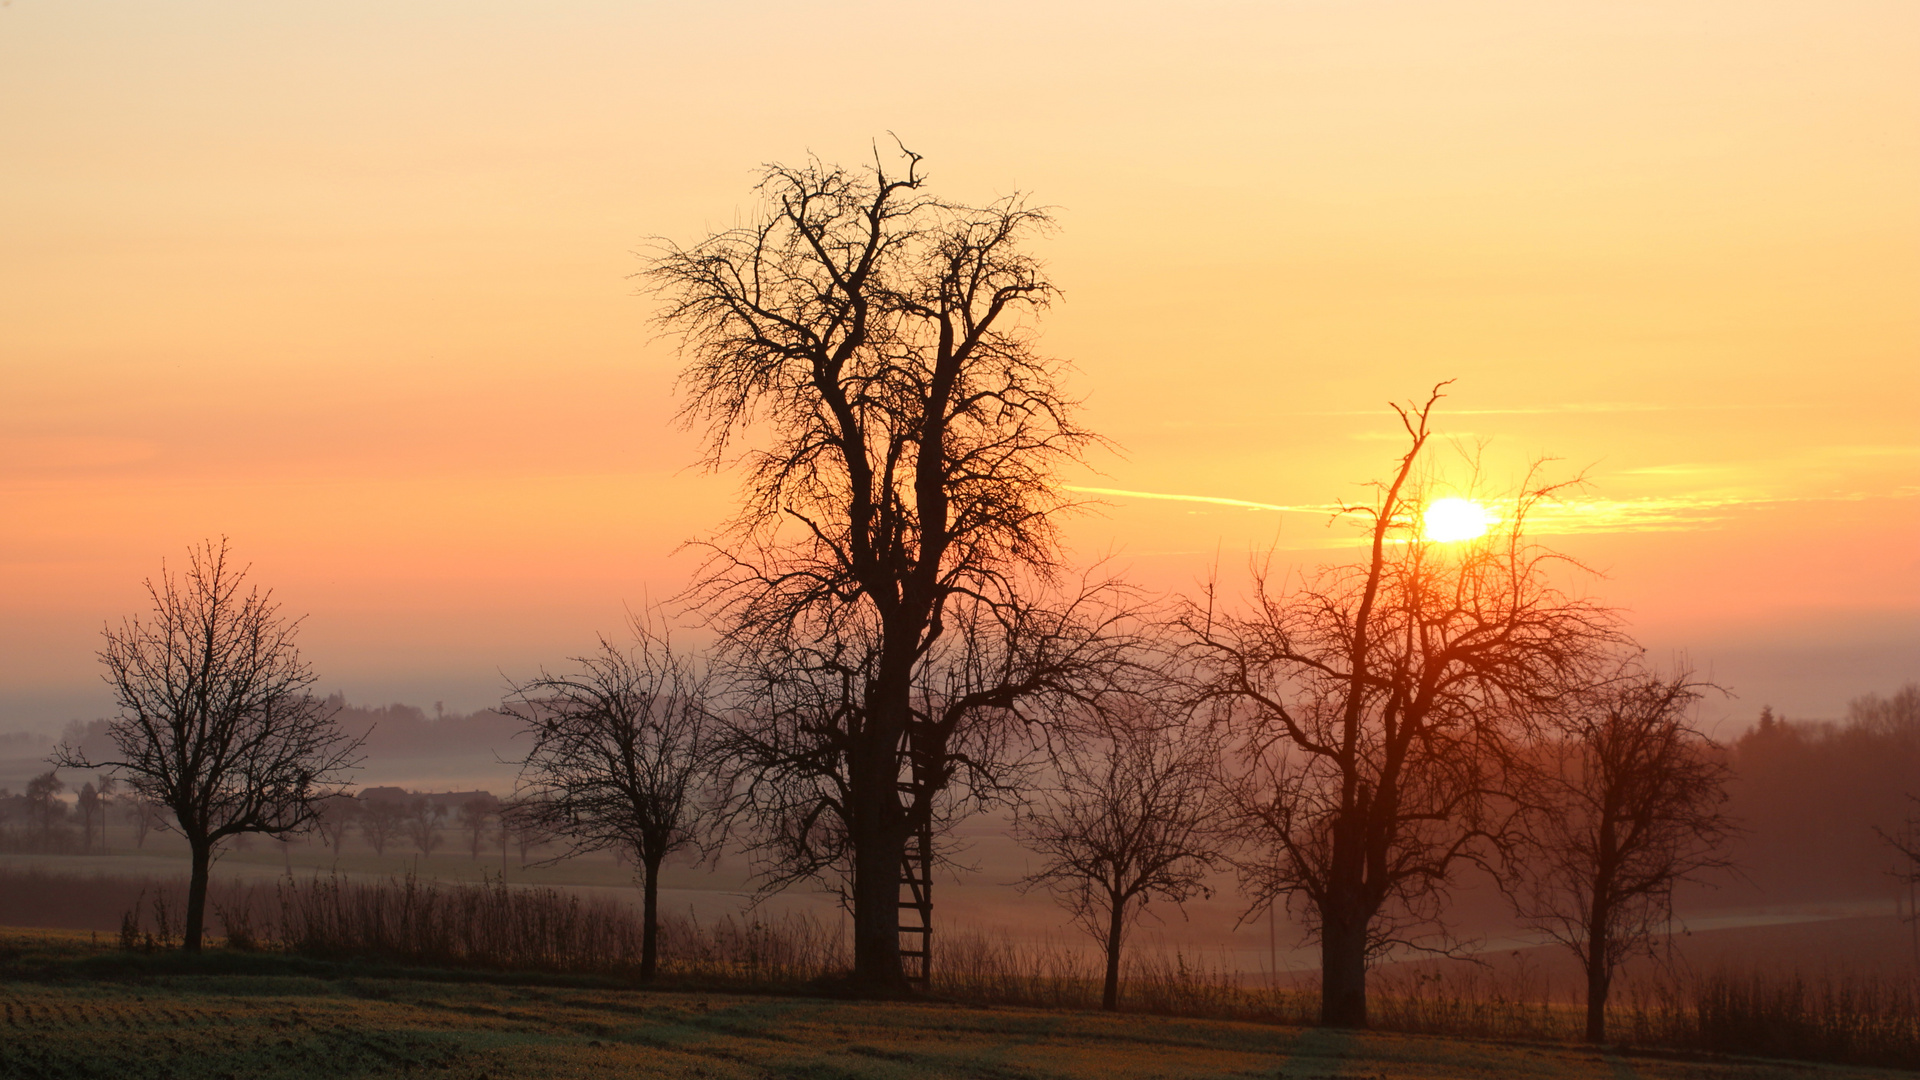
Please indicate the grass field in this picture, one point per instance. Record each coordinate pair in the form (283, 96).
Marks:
(72, 1007)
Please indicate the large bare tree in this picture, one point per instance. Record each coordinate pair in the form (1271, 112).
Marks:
(619, 760)
(1378, 701)
(217, 718)
(1625, 798)
(791, 741)
(863, 349)
(1133, 816)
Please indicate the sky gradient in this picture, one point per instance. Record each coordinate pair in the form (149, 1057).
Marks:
(351, 284)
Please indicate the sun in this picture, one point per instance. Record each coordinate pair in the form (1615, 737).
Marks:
(1446, 520)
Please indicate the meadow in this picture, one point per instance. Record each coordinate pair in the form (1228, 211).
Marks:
(72, 1005)
(499, 935)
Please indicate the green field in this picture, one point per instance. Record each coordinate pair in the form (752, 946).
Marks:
(75, 1008)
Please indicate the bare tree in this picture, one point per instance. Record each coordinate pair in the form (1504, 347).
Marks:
(1134, 817)
(875, 341)
(91, 809)
(337, 814)
(520, 821)
(43, 804)
(381, 819)
(217, 716)
(792, 739)
(108, 790)
(217, 722)
(618, 760)
(421, 823)
(144, 815)
(476, 813)
(1906, 843)
(1626, 800)
(1377, 702)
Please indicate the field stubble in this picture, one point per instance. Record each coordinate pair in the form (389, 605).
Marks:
(499, 928)
(73, 1009)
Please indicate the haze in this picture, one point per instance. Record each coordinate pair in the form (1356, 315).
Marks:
(350, 285)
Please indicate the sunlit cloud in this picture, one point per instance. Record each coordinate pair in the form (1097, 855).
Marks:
(1214, 500)
(1585, 408)
(1565, 517)
(1675, 513)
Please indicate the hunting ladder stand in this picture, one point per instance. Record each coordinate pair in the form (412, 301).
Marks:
(916, 869)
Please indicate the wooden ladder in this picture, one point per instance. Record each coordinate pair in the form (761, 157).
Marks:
(916, 881)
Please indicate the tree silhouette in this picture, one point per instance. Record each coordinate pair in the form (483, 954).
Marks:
(337, 814)
(1377, 703)
(1625, 797)
(1906, 844)
(43, 802)
(380, 819)
(872, 343)
(790, 741)
(217, 717)
(91, 808)
(618, 760)
(476, 813)
(1133, 817)
(144, 815)
(421, 823)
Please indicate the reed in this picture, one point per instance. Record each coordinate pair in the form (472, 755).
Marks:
(1860, 1019)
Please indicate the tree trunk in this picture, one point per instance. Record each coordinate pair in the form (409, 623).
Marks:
(877, 854)
(1599, 981)
(1343, 970)
(650, 919)
(879, 837)
(197, 892)
(1599, 972)
(1110, 993)
(1344, 914)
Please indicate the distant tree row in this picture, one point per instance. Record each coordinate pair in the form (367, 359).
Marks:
(900, 642)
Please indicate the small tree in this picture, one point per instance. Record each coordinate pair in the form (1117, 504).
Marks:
(617, 759)
(422, 825)
(337, 814)
(520, 821)
(44, 805)
(1626, 802)
(1133, 818)
(476, 813)
(217, 716)
(1906, 843)
(144, 815)
(107, 789)
(217, 720)
(89, 805)
(380, 821)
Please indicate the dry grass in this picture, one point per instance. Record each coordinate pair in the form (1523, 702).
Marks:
(1865, 1020)
(70, 1011)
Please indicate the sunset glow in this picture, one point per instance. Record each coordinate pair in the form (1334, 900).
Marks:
(1451, 519)
(351, 284)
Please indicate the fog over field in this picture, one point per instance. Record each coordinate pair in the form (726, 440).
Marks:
(1812, 887)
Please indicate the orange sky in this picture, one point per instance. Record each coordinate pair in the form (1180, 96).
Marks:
(349, 283)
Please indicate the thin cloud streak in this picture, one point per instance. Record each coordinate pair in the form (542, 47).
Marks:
(1673, 513)
(1570, 407)
(1210, 499)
